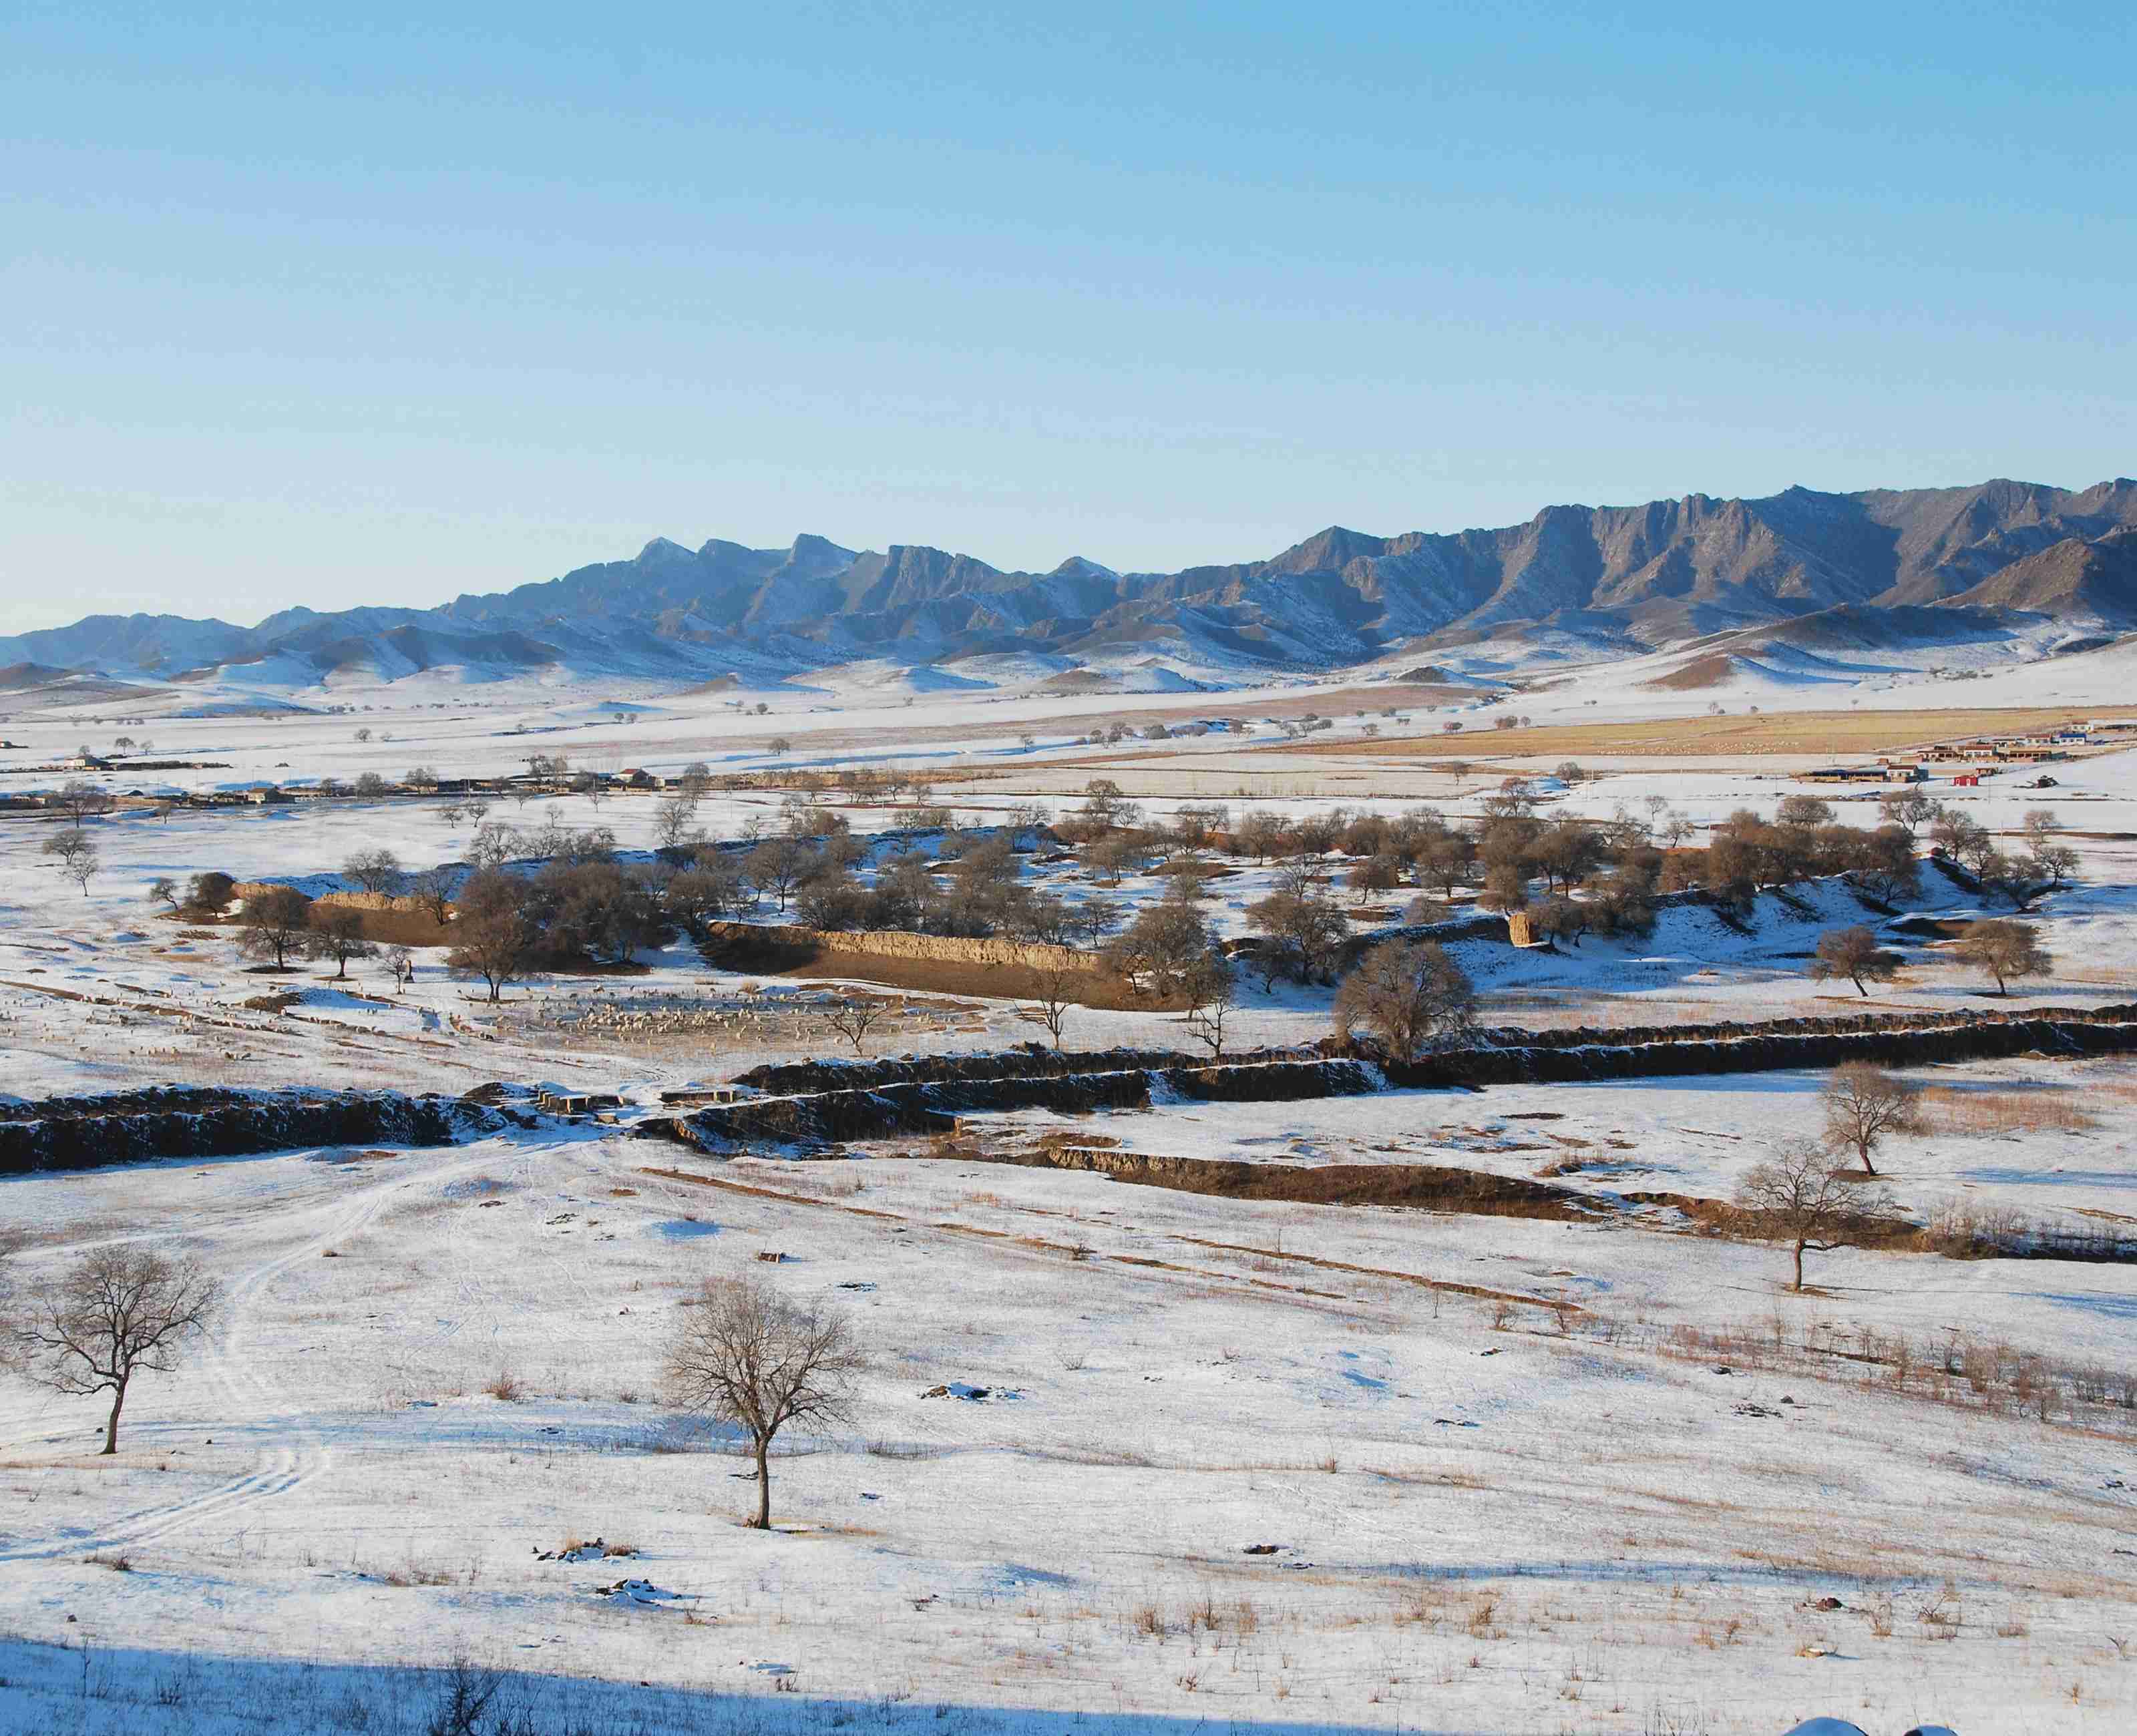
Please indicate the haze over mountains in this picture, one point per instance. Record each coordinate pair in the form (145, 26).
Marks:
(1901, 567)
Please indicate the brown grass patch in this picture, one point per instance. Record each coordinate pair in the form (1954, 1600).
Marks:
(405, 928)
(1846, 732)
(958, 977)
(2014, 1109)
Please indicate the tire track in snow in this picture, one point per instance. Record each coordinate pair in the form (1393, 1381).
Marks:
(286, 1467)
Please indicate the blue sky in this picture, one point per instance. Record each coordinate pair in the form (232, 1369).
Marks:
(359, 304)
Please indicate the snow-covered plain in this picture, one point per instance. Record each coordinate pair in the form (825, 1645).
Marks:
(1490, 1512)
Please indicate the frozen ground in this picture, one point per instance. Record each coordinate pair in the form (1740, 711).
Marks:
(1491, 1512)
(1483, 1529)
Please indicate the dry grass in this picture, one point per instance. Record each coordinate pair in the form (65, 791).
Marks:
(505, 1385)
(1970, 1229)
(420, 1572)
(1838, 733)
(1951, 1367)
(1956, 1109)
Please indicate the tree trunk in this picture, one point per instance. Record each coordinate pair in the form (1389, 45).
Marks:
(1860, 990)
(1868, 1168)
(763, 1487)
(1798, 1286)
(111, 1422)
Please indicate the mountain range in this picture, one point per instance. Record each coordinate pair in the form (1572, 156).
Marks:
(1897, 565)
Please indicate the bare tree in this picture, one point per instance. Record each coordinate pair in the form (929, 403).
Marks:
(495, 937)
(1213, 992)
(854, 1019)
(1912, 808)
(745, 1354)
(276, 922)
(74, 854)
(80, 799)
(208, 894)
(337, 933)
(402, 963)
(1804, 810)
(377, 870)
(672, 819)
(1050, 1003)
(776, 865)
(2008, 950)
(1863, 1105)
(1960, 836)
(2047, 854)
(433, 888)
(118, 1312)
(1806, 1200)
(164, 890)
(1381, 873)
(1099, 915)
(1304, 930)
(1854, 954)
(1411, 995)
(495, 844)
(779, 746)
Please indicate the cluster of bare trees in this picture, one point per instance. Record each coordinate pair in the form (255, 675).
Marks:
(278, 923)
(1807, 1195)
(740, 1352)
(2040, 859)
(971, 884)
(74, 855)
(1998, 946)
(855, 783)
(576, 908)
(73, 852)
(1749, 854)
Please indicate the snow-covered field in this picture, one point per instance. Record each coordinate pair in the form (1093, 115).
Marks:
(1507, 1487)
